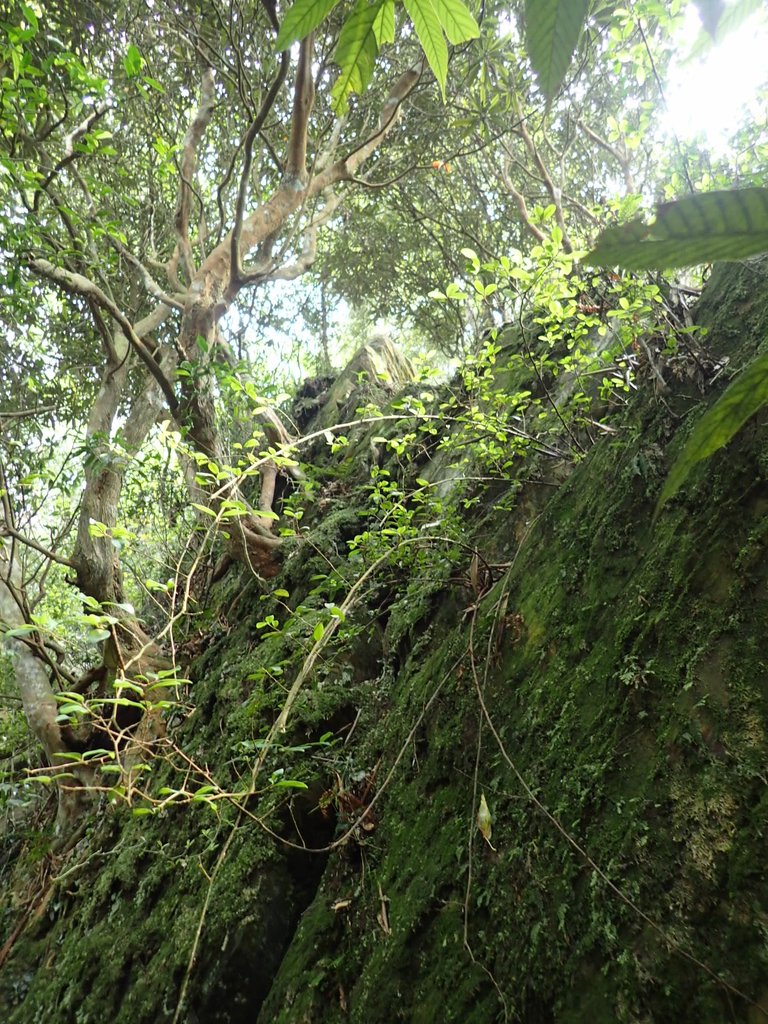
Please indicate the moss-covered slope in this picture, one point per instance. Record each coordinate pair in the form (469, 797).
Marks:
(599, 679)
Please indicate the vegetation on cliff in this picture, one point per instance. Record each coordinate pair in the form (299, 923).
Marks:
(419, 690)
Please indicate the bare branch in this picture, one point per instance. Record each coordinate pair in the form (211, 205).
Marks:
(553, 190)
(187, 170)
(8, 531)
(153, 288)
(80, 285)
(23, 413)
(255, 127)
(519, 198)
(303, 101)
(292, 271)
(69, 148)
(390, 113)
(616, 153)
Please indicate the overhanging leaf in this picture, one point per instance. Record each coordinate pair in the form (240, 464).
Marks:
(726, 225)
(710, 12)
(356, 52)
(132, 61)
(456, 21)
(429, 30)
(732, 17)
(552, 30)
(301, 19)
(747, 394)
(384, 25)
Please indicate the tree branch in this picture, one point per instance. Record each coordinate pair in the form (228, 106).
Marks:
(80, 285)
(255, 127)
(291, 271)
(69, 149)
(519, 198)
(617, 155)
(303, 101)
(187, 170)
(152, 287)
(348, 166)
(8, 531)
(553, 190)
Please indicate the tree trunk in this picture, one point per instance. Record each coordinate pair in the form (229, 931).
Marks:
(40, 705)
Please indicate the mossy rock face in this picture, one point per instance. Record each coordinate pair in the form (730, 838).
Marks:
(379, 367)
(603, 687)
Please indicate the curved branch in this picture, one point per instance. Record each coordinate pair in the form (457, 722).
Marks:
(553, 190)
(236, 271)
(188, 167)
(8, 531)
(69, 149)
(348, 166)
(303, 101)
(621, 160)
(152, 287)
(80, 285)
(519, 198)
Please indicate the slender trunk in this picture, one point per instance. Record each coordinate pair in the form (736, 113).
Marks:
(39, 702)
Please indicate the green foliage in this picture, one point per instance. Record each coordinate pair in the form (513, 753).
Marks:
(743, 398)
(552, 30)
(300, 19)
(725, 225)
(371, 25)
(357, 50)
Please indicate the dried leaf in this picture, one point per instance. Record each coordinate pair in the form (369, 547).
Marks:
(484, 820)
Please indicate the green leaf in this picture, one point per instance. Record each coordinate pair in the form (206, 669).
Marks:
(747, 394)
(317, 633)
(30, 16)
(458, 24)
(132, 61)
(552, 30)
(204, 509)
(732, 17)
(427, 24)
(384, 25)
(726, 225)
(95, 636)
(301, 19)
(356, 53)
(20, 630)
(710, 12)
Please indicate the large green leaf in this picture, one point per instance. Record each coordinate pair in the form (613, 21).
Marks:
(356, 52)
(552, 30)
(384, 25)
(301, 19)
(734, 15)
(696, 229)
(430, 32)
(747, 394)
(456, 21)
(710, 12)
